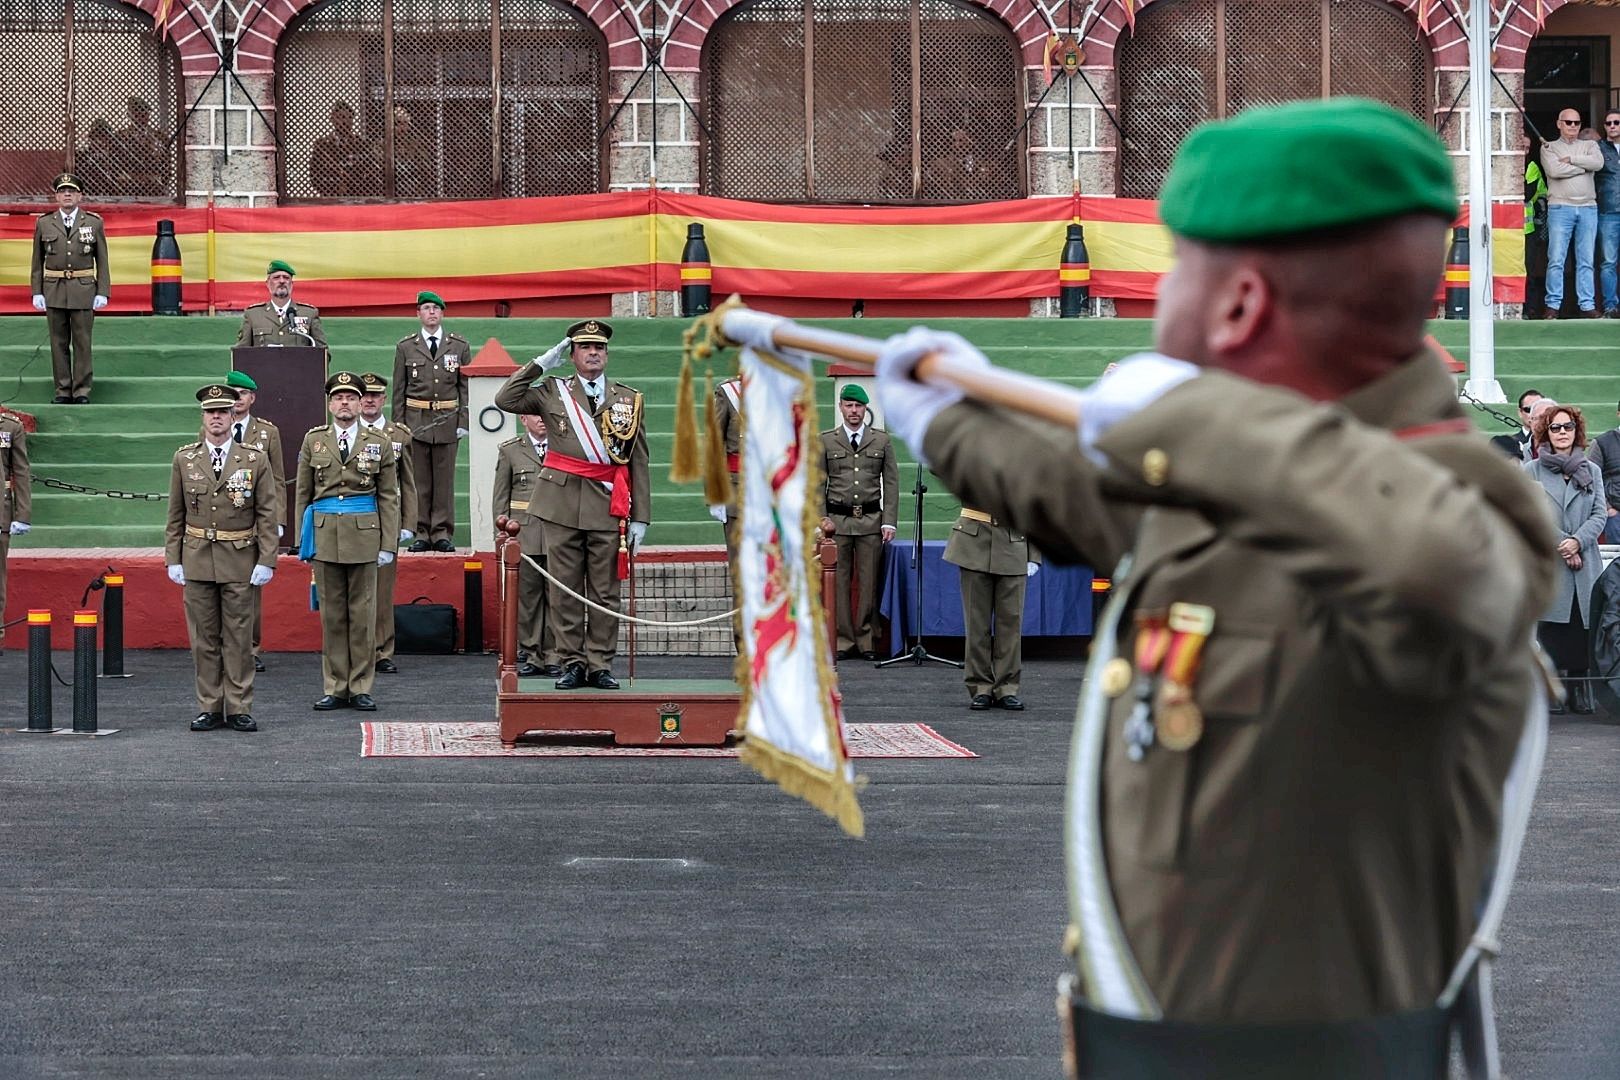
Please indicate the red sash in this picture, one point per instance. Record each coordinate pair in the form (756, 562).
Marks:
(617, 475)
(734, 463)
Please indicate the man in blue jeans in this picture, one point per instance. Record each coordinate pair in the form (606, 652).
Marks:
(1570, 164)
(1608, 201)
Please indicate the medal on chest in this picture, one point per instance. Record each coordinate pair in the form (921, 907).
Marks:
(5, 440)
(452, 362)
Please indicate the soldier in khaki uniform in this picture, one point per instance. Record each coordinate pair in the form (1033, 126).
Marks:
(281, 320)
(265, 437)
(1291, 766)
(16, 491)
(430, 393)
(374, 389)
(220, 544)
(71, 282)
(861, 506)
(593, 494)
(517, 468)
(348, 504)
(995, 562)
(728, 414)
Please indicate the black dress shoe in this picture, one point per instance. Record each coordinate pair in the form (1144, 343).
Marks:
(1011, 702)
(419, 545)
(573, 678)
(851, 653)
(61, 399)
(551, 671)
(327, 702)
(387, 666)
(81, 399)
(363, 702)
(869, 654)
(603, 680)
(444, 543)
(258, 664)
(980, 702)
(208, 721)
(241, 722)
(527, 670)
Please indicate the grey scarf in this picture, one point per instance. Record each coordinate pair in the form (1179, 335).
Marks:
(1572, 465)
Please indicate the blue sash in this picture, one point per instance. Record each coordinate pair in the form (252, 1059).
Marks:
(333, 504)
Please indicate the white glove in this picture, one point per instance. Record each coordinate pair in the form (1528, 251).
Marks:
(1135, 384)
(461, 433)
(887, 532)
(279, 530)
(1030, 568)
(98, 303)
(261, 576)
(384, 558)
(556, 356)
(20, 528)
(406, 535)
(39, 301)
(634, 534)
(718, 512)
(177, 574)
(910, 406)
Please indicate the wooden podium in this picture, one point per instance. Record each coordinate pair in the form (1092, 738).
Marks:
(292, 396)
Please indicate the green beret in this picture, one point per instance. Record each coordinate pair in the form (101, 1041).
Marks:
(277, 264)
(242, 381)
(1302, 167)
(853, 392)
(428, 298)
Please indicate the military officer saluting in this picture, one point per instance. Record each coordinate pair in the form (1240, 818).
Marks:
(265, 437)
(430, 397)
(373, 390)
(348, 504)
(861, 507)
(15, 495)
(220, 544)
(517, 470)
(996, 562)
(281, 320)
(1291, 766)
(71, 281)
(594, 493)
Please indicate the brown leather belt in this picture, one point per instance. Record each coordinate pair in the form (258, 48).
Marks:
(979, 515)
(68, 275)
(219, 534)
(436, 406)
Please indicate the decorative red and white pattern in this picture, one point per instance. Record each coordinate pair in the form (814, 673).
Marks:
(380, 739)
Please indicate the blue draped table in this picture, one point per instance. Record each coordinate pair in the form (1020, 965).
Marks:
(1057, 602)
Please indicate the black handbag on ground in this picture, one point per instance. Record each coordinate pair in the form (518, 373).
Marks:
(421, 627)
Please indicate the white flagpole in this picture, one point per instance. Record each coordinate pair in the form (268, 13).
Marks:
(1482, 383)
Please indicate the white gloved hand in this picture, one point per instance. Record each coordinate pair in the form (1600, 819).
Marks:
(1135, 384)
(461, 433)
(39, 301)
(261, 576)
(634, 534)
(887, 532)
(556, 356)
(177, 574)
(384, 558)
(20, 528)
(909, 406)
(718, 512)
(1030, 568)
(279, 530)
(405, 535)
(98, 303)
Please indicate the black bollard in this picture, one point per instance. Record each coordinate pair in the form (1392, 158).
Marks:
(1074, 275)
(1457, 275)
(112, 627)
(84, 672)
(696, 273)
(165, 271)
(472, 606)
(39, 673)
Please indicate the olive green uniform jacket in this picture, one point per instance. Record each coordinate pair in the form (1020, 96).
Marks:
(241, 499)
(350, 538)
(1320, 853)
(860, 478)
(262, 326)
(421, 377)
(83, 253)
(517, 469)
(16, 493)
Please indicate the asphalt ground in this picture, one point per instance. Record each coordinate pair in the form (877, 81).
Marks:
(179, 905)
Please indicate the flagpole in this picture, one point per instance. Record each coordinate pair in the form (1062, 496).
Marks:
(1482, 382)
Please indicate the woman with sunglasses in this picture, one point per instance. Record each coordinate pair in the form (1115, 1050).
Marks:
(1575, 486)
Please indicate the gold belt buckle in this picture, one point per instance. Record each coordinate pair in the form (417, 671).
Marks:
(209, 534)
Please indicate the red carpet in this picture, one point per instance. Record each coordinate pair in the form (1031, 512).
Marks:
(482, 740)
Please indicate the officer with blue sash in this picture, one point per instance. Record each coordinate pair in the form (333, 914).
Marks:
(348, 502)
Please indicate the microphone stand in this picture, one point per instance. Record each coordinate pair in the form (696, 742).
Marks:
(918, 654)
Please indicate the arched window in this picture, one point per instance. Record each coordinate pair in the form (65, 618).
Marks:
(1194, 60)
(110, 117)
(393, 99)
(861, 101)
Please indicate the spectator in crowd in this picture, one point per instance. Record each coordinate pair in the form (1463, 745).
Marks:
(342, 164)
(1570, 164)
(413, 167)
(143, 152)
(1605, 453)
(961, 175)
(97, 160)
(1535, 228)
(1518, 446)
(1608, 202)
(1574, 484)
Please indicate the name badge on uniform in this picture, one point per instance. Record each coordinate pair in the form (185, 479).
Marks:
(372, 451)
(452, 362)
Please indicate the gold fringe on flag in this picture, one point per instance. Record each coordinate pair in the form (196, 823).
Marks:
(716, 476)
(683, 465)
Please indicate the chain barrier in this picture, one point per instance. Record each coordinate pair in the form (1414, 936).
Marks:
(111, 493)
(636, 620)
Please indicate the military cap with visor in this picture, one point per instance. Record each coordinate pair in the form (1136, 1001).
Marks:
(66, 180)
(217, 396)
(372, 383)
(343, 380)
(1305, 167)
(588, 331)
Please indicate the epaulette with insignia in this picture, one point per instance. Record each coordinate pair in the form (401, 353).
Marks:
(190, 446)
(90, 213)
(627, 386)
(318, 427)
(511, 442)
(406, 338)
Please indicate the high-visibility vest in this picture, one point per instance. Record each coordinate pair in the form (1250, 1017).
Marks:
(1535, 187)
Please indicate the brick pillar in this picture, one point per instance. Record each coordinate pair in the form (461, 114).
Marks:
(229, 148)
(1080, 109)
(1456, 130)
(631, 158)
